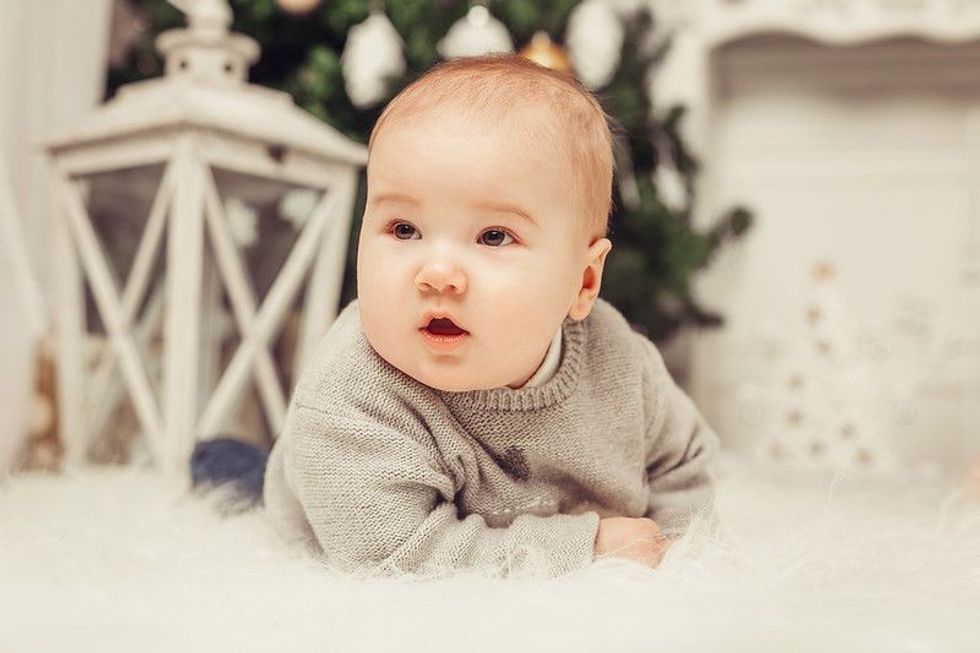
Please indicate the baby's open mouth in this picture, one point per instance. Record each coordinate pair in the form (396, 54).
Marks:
(443, 326)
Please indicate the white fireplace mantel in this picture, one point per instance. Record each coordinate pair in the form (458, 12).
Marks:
(851, 129)
(702, 26)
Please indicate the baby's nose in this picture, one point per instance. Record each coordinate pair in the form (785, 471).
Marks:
(441, 275)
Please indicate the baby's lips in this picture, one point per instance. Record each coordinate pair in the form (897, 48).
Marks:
(442, 320)
(445, 326)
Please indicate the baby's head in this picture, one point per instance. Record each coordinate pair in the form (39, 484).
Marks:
(489, 191)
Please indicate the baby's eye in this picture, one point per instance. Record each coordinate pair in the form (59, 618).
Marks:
(495, 238)
(403, 230)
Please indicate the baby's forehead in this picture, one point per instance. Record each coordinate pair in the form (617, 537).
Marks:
(532, 128)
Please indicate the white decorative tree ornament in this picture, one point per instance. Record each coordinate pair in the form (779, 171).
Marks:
(180, 148)
(209, 20)
(828, 408)
(478, 33)
(670, 185)
(297, 205)
(372, 56)
(594, 40)
(243, 222)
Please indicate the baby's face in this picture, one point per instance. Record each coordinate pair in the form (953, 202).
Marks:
(475, 225)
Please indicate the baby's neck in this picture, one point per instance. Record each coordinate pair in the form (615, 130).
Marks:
(548, 366)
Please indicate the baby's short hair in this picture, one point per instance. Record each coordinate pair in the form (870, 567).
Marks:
(500, 84)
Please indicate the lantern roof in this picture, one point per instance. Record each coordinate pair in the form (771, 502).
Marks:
(204, 88)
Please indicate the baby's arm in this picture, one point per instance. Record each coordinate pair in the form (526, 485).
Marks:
(681, 453)
(379, 501)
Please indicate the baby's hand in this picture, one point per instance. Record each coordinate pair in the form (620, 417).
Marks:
(634, 538)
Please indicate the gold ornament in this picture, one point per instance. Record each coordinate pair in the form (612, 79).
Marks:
(813, 315)
(794, 418)
(864, 456)
(297, 7)
(823, 270)
(543, 51)
(43, 450)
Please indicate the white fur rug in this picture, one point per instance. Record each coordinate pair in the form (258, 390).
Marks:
(117, 560)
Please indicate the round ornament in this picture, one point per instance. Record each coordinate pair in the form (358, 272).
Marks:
(671, 189)
(476, 34)
(297, 205)
(373, 54)
(243, 222)
(594, 39)
(544, 52)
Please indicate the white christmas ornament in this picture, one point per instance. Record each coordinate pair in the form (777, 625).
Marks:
(209, 18)
(477, 34)
(594, 39)
(373, 55)
(670, 185)
(243, 222)
(296, 206)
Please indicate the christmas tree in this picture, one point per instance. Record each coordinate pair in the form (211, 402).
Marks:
(656, 248)
(829, 405)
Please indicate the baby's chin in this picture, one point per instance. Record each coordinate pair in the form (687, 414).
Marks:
(449, 383)
(457, 381)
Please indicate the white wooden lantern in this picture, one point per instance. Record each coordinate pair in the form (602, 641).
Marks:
(186, 147)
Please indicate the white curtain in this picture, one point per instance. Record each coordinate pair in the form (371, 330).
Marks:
(53, 56)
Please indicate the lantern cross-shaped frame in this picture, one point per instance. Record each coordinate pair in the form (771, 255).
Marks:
(192, 142)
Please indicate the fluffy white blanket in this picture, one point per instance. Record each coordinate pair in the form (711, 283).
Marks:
(119, 560)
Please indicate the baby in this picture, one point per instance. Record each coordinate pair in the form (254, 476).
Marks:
(478, 406)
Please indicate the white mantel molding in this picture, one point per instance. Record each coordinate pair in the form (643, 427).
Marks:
(940, 35)
(831, 21)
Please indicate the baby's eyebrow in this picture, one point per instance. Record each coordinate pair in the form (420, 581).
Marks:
(496, 207)
(507, 208)
(394, 197)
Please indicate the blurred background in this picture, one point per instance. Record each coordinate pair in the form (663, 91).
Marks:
(796, 219)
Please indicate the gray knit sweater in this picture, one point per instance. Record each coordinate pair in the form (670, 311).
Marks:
(381, 473)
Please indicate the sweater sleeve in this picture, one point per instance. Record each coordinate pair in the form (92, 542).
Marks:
(682, 452)
(378, 502)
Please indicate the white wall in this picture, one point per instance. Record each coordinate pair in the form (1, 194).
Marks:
(52, 69)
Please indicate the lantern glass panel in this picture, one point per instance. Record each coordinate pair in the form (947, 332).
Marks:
(118, 204)
(264, 218)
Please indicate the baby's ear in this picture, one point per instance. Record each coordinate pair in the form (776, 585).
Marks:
(591, 280)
